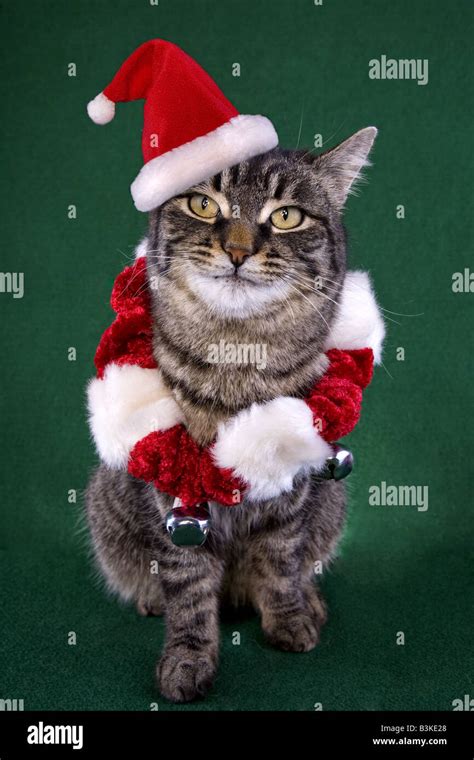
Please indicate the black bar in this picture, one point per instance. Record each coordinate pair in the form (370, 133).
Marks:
(374, 734)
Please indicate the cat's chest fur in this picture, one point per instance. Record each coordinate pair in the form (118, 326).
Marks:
(217, 367)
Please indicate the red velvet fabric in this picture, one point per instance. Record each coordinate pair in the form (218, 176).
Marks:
(128, 340)
(178, 466)
(171, 459)
(336, 399)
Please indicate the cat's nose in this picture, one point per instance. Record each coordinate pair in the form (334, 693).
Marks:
(237, 254)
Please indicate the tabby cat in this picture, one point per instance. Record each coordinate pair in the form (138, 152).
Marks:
(235, 259)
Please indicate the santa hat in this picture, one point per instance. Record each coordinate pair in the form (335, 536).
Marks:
(190, 130)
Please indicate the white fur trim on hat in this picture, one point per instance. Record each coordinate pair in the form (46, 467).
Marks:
(101, 109)
(173, 172)
(359, 323)
(124, 406)
(268, 444)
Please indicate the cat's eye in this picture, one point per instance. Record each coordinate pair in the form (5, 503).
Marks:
(287, 217)
(203, 206)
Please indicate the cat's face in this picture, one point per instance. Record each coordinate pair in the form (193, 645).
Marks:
(261, 231)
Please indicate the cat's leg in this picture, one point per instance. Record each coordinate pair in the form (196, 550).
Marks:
(121, 513)
(316, 602)
(291, 529)
(326, 507)
(191, 580)
(277, 586)
(127, 525)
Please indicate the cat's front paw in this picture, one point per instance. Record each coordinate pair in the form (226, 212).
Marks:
(268, 444)
(293, 633)
(184, 676)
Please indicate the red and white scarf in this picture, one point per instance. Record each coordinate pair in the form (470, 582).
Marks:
(137, 425)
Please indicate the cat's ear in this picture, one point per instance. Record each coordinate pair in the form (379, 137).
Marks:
(340, 167)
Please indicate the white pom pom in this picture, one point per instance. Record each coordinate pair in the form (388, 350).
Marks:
(101, 110)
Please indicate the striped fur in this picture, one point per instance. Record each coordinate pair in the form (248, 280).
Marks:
(261, 553)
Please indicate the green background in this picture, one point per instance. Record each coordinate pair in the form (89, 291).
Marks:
(399, 569)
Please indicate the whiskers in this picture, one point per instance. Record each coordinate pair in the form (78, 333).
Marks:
(387, 311)
(289, 280)
(307, 287)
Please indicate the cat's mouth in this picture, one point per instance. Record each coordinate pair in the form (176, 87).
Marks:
(238, 295)
(237, 278)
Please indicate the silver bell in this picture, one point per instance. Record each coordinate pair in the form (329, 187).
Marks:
(339, 465)
(188, 526)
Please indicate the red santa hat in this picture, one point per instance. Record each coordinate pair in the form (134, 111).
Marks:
(190, 130)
